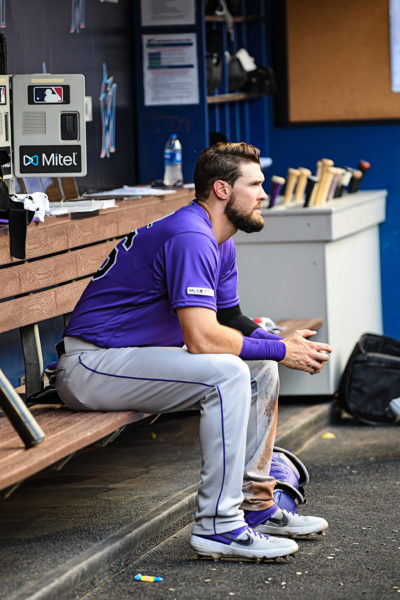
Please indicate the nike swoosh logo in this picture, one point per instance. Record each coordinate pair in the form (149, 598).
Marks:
(247, 541)
(281, 522)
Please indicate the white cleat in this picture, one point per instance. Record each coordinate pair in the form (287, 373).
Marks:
(284, 522)
(245, 543)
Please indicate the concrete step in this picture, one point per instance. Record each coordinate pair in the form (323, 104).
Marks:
(82, 570)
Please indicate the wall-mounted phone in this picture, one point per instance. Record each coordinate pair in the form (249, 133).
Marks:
(42, 125)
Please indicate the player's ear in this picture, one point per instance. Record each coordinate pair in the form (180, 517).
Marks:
(221, 189)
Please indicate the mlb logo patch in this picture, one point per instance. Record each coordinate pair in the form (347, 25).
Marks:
(48, 95)
(200, 291)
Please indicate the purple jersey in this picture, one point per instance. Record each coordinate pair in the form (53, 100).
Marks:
(170, 263)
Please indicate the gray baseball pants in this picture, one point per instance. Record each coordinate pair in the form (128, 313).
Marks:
(238, 403)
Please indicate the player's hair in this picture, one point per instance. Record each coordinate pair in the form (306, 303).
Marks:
(221, 161)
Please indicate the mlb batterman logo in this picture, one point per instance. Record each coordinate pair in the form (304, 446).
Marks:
(200, 291)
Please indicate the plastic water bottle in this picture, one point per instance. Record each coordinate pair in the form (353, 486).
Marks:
(173, 162)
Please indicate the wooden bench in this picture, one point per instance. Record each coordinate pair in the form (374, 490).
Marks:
(288, 326)
(61, 255)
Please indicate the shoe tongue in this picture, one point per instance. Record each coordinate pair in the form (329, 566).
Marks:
(255, 517)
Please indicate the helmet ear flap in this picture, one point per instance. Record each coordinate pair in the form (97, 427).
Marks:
(294, 460)
(291, 476)
(288, 497)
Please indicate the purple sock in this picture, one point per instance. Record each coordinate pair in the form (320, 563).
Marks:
(255, 517)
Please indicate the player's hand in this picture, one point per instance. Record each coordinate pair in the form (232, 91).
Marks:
(303, 354)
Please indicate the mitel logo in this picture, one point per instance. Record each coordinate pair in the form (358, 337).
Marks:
(50, 159)
(31, 160)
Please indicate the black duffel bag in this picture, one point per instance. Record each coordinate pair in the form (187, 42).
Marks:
(371, 379)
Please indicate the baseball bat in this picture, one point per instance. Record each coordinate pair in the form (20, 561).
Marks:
(291, 181)
(312, 181)
(344, 182)
(326, 162)
(276, 185)
(364, 166)
(355, 181)
(324, 183)
(301, 184)
(322, 165)
(335, 182)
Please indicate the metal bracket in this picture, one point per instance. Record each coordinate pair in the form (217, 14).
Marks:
(154, 419)
(5, 494)
(109, 438)
(18, 414)
(61, 463)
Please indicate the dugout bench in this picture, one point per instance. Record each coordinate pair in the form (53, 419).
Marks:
(61, 255)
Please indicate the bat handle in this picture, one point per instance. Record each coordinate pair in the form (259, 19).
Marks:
(364, 166)
(301, 184)
(292, 177)
(335, 183)
(310, 186)
(276, 186)
(326, 184)
(355, 181)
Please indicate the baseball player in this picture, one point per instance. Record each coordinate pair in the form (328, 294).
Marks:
(159, 329)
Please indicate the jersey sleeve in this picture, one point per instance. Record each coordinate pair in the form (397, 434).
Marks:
(227, 294)
(190, 266)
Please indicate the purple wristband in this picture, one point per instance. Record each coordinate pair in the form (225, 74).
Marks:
(261, 349)
(265, 335)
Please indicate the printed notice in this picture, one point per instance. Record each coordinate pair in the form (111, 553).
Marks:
(167, 12)
(170, 72)
(394, 16)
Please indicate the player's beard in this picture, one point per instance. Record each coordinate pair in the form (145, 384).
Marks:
(248, 223)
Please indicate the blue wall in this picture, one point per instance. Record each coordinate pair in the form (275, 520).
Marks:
(345, 144)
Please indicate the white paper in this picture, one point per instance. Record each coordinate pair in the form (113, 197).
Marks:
(80, 206)
(128, 190)
(167, 12)
(170, 71)
(147, 191)
(394, 17)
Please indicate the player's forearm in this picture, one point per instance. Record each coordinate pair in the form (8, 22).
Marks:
(203, 334)
(219, 340)
(225, 340)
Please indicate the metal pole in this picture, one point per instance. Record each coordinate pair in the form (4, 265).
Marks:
(17, 412)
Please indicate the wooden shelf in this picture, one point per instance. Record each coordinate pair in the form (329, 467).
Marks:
(237, 97)
(240, 19)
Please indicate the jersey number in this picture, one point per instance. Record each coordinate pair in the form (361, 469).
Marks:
(107, 265)
(110, 261)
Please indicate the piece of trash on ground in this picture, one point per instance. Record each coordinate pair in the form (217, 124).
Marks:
(140, 577)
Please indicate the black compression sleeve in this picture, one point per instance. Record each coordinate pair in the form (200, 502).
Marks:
(233, 317)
